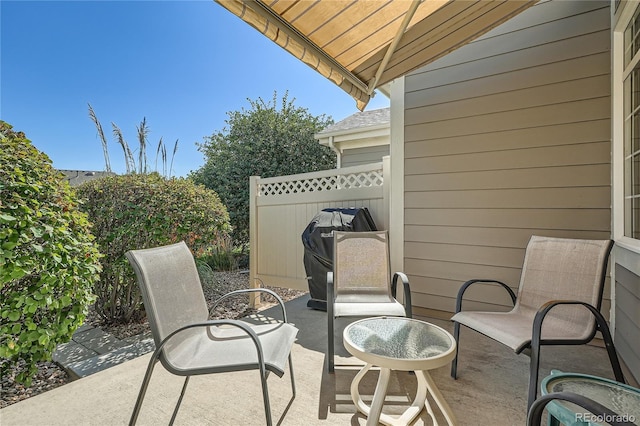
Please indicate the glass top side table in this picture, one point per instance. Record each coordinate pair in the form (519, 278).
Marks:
(397, 343)
(620, 398)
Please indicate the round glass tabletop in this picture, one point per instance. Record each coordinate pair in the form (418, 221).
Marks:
(398, 338)
(621, 399)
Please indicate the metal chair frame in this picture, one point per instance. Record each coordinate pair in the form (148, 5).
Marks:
(262, 367)
(536, 341)
(331, 298)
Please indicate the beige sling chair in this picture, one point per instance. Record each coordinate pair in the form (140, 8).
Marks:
(558, 302)
(187, 343)
(360, 284)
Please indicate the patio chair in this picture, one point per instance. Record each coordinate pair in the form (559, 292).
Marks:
(558, 303)
(187, 343)
(360, 284)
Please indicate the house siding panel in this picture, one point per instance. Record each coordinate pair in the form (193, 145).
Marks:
(628, 317)
(366, 155)
(585, 175)
(516, 61)
(507, 137)
(546, 115)
(555, 93)
(571, 133)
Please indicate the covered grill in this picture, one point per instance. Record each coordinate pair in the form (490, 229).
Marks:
(317, 240)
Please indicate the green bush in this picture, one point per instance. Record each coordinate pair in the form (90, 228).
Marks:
(137, 211)
(48, 259)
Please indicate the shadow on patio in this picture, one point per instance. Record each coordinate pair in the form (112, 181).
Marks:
(491, 388)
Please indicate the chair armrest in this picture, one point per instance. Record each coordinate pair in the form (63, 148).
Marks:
(407, 291)
(536, 332)
(534, 417)
(252, 290)
(468, 284)
(601, 324)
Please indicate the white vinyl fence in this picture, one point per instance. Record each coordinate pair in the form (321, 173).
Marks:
(282, 207)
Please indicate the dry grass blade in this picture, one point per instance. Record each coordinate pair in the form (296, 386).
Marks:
(164, 160)
(173, 155)
(128, 156)
(103, 139)
(143, 131)
(158, 152)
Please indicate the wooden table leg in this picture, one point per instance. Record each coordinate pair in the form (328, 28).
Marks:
(374, 412)
(378, 397)
(355, 393)
(438, 398)
(417, 405)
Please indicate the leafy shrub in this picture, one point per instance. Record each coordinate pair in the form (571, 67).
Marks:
(48, 259)
(137, 211)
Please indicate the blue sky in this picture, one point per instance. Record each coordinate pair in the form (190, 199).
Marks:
(181, 64)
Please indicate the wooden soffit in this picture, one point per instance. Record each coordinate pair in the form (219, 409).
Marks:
(362, 45)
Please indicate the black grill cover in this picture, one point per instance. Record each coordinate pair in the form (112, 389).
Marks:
(317, 240)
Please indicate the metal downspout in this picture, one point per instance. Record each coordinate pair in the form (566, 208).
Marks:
(337, 151)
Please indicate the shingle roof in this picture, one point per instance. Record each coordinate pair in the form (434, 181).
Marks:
(360, 120)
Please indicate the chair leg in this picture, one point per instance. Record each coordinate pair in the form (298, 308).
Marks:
(175, 410)
(533, 373)
(330, 323)
(454, 363)
(293, 382)
(265, 395)
(143, 390)
(611, 349)
(330, 342)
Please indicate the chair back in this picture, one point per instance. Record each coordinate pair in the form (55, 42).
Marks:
(170, 287)
(564, 269)
(361, 270)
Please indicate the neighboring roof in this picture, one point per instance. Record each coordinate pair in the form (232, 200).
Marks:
(76, 177)
(363, 45)
(360, 121)
(360, 130)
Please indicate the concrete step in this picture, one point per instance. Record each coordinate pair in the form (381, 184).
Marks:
(96, 363)
(91, 350)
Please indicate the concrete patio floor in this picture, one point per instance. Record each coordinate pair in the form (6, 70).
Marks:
(491, 387)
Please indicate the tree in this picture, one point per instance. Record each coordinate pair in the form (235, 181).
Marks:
(48, 257)
(263, 141)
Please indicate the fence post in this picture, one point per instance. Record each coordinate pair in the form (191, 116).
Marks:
(254, 181)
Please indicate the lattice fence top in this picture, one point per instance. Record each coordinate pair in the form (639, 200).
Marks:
(366, 179)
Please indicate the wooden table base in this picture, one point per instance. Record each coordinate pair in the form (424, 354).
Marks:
(374, 412)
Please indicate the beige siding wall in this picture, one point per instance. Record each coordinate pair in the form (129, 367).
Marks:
(628, 317)
(504, 138)
(368, 155)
